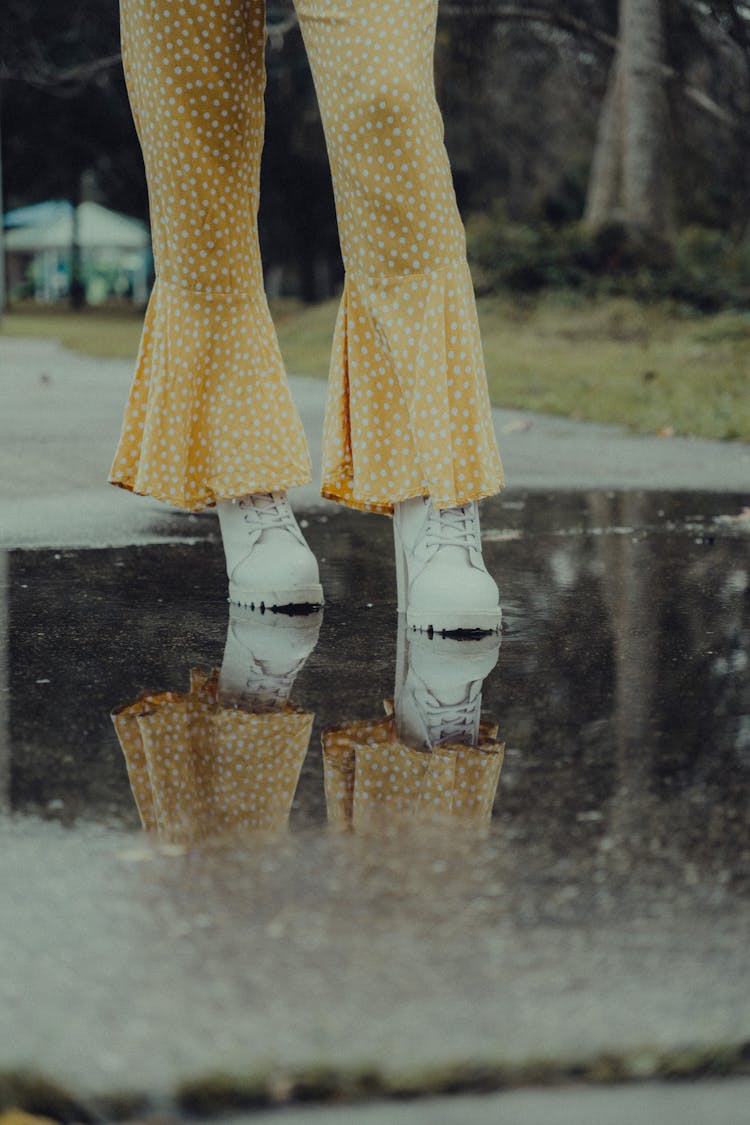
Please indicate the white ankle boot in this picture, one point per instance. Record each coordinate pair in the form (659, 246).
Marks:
(269, 564)
(443, 584)
(438, 695)
(263, 656)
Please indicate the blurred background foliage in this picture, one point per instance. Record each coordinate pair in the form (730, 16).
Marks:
(600, 158)
(523, 88)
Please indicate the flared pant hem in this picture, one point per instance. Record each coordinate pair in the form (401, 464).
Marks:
(210, 414)
(373, 779)
(408, 411)
(205, 500)
(342, 495)
(201, 771)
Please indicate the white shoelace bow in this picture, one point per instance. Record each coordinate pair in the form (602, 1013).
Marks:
(453, 527)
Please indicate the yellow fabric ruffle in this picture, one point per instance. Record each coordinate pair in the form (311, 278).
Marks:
(210, 413)
(200, 771)
(372, 778)
(408, 410)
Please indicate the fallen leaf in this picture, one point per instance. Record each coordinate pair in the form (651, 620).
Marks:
(665, 431)
(518, 425)
(18, 1117)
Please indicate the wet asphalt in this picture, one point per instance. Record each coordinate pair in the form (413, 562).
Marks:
(310, 908)
(601, 906)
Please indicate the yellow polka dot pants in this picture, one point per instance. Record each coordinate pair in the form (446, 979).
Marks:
(210, 414)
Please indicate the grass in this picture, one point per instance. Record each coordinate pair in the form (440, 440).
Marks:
(110, 333)
(657, 368)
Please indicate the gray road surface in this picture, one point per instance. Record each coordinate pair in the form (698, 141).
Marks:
(61, 415)
(694, 1104)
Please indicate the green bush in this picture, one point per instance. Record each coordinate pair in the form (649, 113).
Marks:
(701, 267)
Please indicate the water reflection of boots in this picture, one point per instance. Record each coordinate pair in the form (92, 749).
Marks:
(438, 695)
(263, 655)
(432, 758)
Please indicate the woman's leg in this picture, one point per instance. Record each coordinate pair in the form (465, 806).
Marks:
(408, 409)
(209, 415)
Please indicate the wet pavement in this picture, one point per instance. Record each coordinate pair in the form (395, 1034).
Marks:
(226, 849)
(53, 488)
(720, 1104)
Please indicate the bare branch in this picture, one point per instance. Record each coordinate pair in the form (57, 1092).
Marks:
(706, 103)
(44, 76)
(277, 29)
(533, 14)
(577, 26)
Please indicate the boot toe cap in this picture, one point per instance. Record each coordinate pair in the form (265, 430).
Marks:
(466, 588)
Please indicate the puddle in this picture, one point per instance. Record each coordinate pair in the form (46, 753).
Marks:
(625, 649)
(551, 828)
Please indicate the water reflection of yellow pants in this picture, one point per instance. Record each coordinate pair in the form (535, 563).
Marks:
(209, 413)
(373, 779)
(201, 771)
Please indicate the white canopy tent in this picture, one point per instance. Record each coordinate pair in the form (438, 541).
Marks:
(98, 228)
(106, 239)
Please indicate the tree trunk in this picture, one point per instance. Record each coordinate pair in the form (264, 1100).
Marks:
(630, 178)
(604, 180)
(645, 188)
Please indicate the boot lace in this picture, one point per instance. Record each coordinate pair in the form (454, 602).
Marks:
(455, 527)
(269, 689)
(452, 722)
(266, 509)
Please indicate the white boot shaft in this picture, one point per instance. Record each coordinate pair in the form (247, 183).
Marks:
(443, 583)
(263, 655)
(438, 694)
(269, 563)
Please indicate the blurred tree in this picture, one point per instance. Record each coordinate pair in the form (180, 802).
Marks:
(297, 220)
(64, 106)
(64, 112)
(518, 84)
(631, 168)
(678, 56)
(523, 89)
